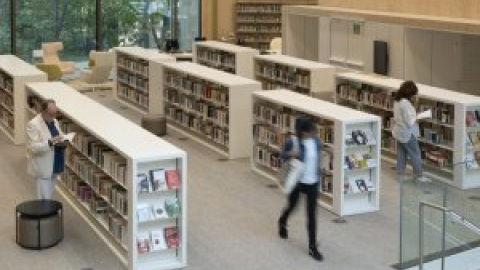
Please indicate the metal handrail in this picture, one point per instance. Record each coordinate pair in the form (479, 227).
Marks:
(446, 211)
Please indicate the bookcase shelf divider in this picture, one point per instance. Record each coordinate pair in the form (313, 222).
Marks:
(350, 156)
(105, 178)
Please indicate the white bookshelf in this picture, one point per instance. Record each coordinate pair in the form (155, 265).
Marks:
(274, 115)
(137, 82)
(209, 106)
(302, 76)
(14, 74)
(226, 57)
(443, 140)
(100, 180)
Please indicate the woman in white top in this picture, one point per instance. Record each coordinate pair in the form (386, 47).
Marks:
(405, 129)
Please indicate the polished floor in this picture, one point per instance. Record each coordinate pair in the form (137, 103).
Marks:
(232, 215)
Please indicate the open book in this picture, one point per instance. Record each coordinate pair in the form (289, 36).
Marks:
(424, 115)
(69, 137)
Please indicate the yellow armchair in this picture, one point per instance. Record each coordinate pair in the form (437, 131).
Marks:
(54, 72)
(50, 56)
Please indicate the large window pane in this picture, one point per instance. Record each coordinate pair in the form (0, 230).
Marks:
(69, 21)
(148, 23)
(188, 18)
(4, 26)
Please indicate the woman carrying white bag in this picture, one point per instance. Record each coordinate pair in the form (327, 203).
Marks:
(306, 147)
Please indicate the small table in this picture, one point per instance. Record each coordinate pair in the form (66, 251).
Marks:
(39, 224)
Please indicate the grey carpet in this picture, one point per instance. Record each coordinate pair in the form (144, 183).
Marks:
(232, 217)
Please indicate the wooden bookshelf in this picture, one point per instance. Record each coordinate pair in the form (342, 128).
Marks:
(302, 76)
(443, 140)
(210, 106)
(107, 180)
(257, 23)
(14, 74)
(226, 57)
(344, 160)
(137, 83)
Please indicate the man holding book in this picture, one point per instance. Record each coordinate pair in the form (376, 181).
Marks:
(45, 148)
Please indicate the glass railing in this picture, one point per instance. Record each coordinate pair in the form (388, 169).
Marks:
(439, 226)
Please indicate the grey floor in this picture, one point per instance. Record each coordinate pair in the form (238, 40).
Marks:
(232, 215)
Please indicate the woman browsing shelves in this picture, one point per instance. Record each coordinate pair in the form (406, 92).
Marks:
(309, 153)
(406, 131)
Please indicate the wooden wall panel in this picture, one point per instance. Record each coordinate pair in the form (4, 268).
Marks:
(469, 9)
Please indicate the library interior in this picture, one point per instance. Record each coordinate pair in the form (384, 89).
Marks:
(183, 134)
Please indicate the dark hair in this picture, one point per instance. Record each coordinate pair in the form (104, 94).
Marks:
(44, 104)
(407, 90)
(307, 125)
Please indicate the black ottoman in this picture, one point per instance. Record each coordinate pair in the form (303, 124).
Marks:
(39, 224)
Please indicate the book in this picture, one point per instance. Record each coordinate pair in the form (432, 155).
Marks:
(353, 187)
(172, 237)
(158, 240)
(471, 119)
(144, 212)
(370, 138)
(159, 181)
(172, 205)
(143, 185)
(471, 162)
(159, 211)
(362, 186)
(424, 115)
(173, 179)
(143, 242)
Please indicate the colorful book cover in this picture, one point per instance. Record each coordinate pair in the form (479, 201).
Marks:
(159, 182)
(143, 185)
(159, 211)
(173, 179)
(172, 237)
(471, 119)
(158, 240)
(143, 242)
(172, 205)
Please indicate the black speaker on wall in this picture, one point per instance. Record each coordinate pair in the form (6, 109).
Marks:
(380, 57)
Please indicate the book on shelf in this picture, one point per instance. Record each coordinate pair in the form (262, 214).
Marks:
(471, 118)
(173, 179)
(159, 211)
(158, 240)
(471, 161)
(144, 212)
(158, 180)
(172, 237)
(143, 242)
(143, 183)
(172, 207)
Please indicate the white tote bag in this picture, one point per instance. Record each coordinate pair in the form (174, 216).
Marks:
(291, 171)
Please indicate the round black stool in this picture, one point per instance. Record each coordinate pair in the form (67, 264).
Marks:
(39, 224)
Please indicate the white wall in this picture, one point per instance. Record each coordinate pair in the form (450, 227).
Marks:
(442, 59)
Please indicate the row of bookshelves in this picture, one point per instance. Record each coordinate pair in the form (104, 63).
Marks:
(6, 83)
(7, 120)
(114, 223)
(259, 29)
(139, 83)
(206, 90)
(137, 66)
(133, 96)
(6, 101)
(283, 73)
(353, 159)
(216, 58)
(207, 129)
(259, 8)
(97, 180)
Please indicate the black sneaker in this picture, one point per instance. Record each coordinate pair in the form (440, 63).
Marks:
(282, 231)
(313, 251)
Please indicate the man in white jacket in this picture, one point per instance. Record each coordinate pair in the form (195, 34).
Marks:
(45, 149)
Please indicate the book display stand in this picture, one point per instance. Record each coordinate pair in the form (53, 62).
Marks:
(14, 74)
(127, 184)
(226, 57)
(351, 149)
(448, 139)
